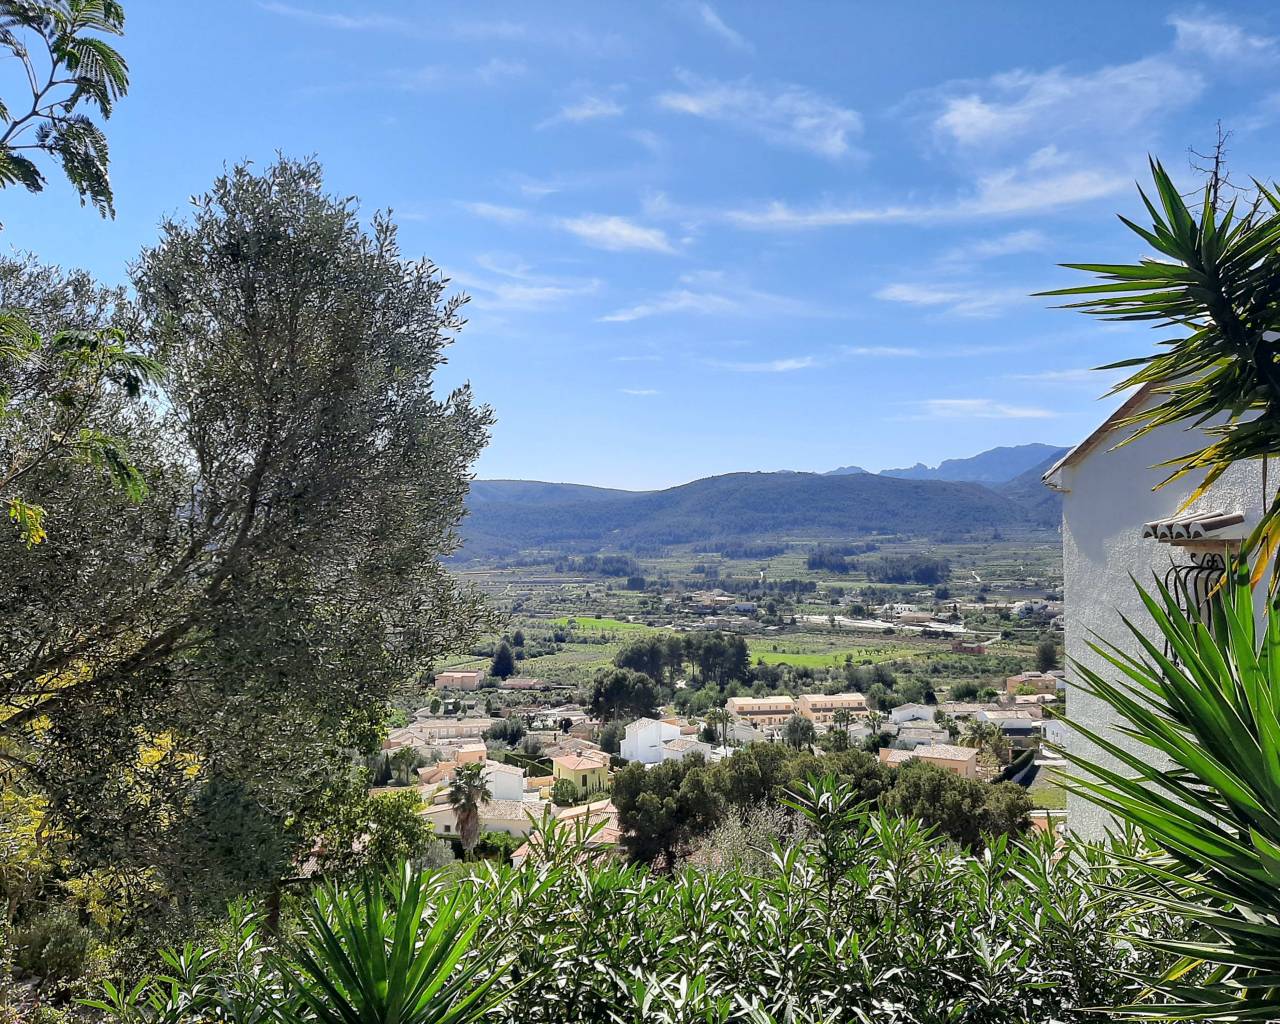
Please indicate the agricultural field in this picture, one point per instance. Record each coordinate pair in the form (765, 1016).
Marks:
(576, 622)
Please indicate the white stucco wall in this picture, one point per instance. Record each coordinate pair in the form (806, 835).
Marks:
(643, 740)
(1108, 496)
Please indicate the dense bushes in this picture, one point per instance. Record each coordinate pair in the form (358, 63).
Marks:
(667, 810)
(865, 918)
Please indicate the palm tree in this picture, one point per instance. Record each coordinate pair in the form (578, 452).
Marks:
(1214, 278)
(875, 719)
(842, 719)
(468, 791)
(1202, 786)
(985, 736)
(720, 718)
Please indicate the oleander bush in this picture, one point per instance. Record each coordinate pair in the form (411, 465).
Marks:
(867, 917)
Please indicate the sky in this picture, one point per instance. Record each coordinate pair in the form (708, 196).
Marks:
(701, 238)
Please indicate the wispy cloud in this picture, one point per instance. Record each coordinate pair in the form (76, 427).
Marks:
(576, 39)
(1011, 244)
(769, 365)
(587, 108)
(1115, 101)
(884, 351)
(960, 300)
(617, 234)
(1078, 375)
(678, 300)
(1005, 193)
(639, 392)
(650, 358)
(707, 16)
(710, 293)
(496, 212)
(508, 284)
(335, 20)
(1220, 40)
(432, 76)
(787, 115)
(980, 409)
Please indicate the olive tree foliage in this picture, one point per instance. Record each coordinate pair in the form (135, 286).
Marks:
(66, 65)
(187, 676)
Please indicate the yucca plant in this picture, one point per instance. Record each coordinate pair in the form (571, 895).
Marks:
(395, 950)
(1203, 785)
(1215, 279)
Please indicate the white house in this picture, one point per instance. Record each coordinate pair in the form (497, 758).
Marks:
(644, 738)
(506, 781)
(1114, 524)
(912, 713)
(682, 746)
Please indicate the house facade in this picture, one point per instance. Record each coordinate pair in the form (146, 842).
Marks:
(821, 708)
(761, 712)
(1116, 524)
(588, 771)
(460, 679)
(962, 761)
(644, 738)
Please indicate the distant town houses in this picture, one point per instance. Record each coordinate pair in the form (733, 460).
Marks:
(433, 732)
(460, 679)
(821, 709)
(588, 771)
(765, 713)
(1039, 682)
(963, 761)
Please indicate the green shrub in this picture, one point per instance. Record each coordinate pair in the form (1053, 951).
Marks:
(861, 917)
(53, 946)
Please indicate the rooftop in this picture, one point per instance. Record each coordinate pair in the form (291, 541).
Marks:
(942, 751)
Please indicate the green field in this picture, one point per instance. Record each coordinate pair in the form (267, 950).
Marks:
(806, 650)
(590, 624)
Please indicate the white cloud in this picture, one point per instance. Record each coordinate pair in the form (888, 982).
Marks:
(497, 212)
(679, 300)
(1220, 40)
(789, 115)
(433, 76)
(958, 299)
(1005, 193)
(1113, 101)
(514, 285)
(344, 22)
(713, 293)
(770, 365)
(711, 20)
(639, 392)
(617, 234)
(980, 409)
(1080, 375)
(574, 38)
(588, 108)
(884, 351)
(1010, 244)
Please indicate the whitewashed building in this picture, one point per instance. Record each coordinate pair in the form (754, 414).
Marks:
(643, 740)
(1116, 524)
(506, 781)
(682, 746)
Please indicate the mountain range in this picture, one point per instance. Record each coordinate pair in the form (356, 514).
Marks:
(996, 490)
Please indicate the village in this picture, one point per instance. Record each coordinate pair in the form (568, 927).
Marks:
(570, 776)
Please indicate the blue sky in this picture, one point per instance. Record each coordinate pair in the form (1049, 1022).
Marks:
(702, 238)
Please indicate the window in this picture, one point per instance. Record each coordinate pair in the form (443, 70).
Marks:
(584, 782)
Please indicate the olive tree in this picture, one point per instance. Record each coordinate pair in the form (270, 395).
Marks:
(186, 676)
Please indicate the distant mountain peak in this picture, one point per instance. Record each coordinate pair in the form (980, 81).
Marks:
(845, 471)
(994, 466)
